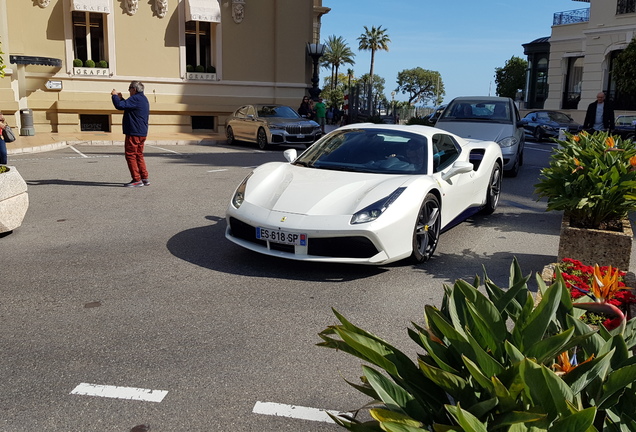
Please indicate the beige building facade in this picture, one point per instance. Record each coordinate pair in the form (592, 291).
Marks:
(198, 59)
(582, 48)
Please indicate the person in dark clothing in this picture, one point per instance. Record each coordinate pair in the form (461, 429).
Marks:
(599, 115)
(135, 126)
(305, 109)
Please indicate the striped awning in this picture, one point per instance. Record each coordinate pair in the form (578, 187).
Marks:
(203, 10)
(99, 6)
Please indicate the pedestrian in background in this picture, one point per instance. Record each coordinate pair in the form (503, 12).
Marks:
(3, 145)
(599, 115)
(135, 126)
(321, 111)
(304, 109)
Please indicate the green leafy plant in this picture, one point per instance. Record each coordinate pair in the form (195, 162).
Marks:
(496, 361)
(210, 69)
(78, 63)
(3, 169)
(102, 64)
(199, 68)
(592, 178)
(189, 68)
(89, 63)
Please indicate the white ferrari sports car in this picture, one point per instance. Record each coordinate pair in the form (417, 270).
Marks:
(365, 194)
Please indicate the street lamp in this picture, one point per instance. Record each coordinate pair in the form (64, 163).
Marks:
(315, 51)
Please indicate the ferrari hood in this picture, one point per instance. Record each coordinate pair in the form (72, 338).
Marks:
(291, 189)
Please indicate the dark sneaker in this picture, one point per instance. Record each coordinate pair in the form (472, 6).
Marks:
(134, 184)
(146, 182)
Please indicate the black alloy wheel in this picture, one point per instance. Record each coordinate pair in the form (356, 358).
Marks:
(494, 190)
(261, 139)
(427, 229)
(229, 135)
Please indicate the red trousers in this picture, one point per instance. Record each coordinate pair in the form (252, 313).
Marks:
(134, 150)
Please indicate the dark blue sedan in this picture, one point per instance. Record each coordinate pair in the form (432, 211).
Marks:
(543, 125)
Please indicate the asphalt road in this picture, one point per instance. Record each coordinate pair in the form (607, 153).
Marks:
(138, 288)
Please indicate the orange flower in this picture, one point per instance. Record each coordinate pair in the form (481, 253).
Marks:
(578, 165)
(610, 142)
(604, 287)
(563, 363)
(632, 161)
(576, 138)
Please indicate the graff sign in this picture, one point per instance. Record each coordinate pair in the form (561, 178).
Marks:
(91, 71)
(201, 76)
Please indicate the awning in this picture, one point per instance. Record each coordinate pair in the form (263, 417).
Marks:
(99, 6)
(35, 60)
(203, 10)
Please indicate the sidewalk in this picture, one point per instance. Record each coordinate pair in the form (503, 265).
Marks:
(41, 142)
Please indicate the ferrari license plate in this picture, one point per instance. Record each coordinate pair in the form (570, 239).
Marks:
(280, 236)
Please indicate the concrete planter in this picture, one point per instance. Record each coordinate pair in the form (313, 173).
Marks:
(14, 200)
(592, 246)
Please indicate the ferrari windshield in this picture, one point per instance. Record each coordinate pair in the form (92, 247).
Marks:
(382, 151)
(276, 111)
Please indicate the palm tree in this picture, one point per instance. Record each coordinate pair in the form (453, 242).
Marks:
(337, 53)
(373, 40)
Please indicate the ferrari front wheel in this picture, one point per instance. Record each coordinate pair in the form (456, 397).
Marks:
(494, 190)
(427, 229)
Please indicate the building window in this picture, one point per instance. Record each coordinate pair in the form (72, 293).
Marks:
(88, 36)
(198, 41)
(202, 122)
(625, 7)
(94, 123)
(573, 81)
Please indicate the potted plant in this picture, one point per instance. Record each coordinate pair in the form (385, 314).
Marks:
(499, 361)
(102, 64)
(78, 63)
(592, 179)
(14, 199)
(89, 63)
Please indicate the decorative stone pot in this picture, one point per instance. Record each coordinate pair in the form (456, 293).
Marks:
(14, 199)
(593, 246)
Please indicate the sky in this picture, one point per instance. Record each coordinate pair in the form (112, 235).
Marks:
(464, 40)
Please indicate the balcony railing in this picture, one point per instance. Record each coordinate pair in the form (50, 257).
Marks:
(571, 17)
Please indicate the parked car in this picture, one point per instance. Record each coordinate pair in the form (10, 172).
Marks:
(365, 194)
(625, 126)
(546, 124)
(270, 124)
(437, 112)
(488, 118)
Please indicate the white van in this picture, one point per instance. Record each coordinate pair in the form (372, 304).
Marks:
(488, 118)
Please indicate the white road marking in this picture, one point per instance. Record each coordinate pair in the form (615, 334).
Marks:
(78, 152)
(218, 170)
(294, 411)
(164, 149)
(116, 392)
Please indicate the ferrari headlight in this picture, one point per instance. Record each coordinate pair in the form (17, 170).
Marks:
(239, 195)
(372, 212)
(508, 142)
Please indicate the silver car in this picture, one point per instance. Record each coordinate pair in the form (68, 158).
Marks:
(270, 124)
(491, 119)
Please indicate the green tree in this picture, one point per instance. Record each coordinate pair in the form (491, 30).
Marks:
(421, 85)
(624, 67)
(373, 40)
(511, 77)
(375, 92)
(337, 53)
